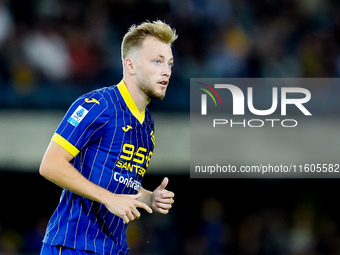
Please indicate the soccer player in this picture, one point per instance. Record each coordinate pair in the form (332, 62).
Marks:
(102, 148)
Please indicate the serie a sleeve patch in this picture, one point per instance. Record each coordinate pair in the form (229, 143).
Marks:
(77, 116)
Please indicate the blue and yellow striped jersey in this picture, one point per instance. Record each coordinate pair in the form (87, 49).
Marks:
(112, 144)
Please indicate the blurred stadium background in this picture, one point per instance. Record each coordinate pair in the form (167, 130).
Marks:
(52, 51)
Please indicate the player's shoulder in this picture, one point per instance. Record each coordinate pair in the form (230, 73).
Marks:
(98, 99)
(93, 104)
(95, 98)
(108, 94)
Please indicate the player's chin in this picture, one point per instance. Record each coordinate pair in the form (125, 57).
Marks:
(159, 95)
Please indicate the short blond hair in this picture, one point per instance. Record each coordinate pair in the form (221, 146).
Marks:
(135, 36)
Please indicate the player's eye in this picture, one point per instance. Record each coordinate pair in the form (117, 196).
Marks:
(157, 61)
(171, 64)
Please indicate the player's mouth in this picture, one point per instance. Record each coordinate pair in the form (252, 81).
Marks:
(163, 83)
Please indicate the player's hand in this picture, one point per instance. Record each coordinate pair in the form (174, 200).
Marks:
(125, 206)
(162, 199)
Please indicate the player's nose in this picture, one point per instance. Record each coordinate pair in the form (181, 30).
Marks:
(166, 71)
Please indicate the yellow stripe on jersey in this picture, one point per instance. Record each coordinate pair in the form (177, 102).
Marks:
(65, 144)
(130, 103)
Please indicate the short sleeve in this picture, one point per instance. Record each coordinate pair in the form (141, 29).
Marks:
(84, 122)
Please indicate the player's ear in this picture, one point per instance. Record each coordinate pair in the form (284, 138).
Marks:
(129, 64)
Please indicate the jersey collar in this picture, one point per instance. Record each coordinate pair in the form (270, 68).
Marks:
(130, 103)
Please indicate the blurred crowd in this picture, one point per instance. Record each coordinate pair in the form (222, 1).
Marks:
(14, 241)
(68, 47)
(265, 231)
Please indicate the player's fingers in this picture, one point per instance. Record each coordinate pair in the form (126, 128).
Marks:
(125, 219)
(164, 183)
(144, 206)
(168, 194)
(138, 195)
(136, 213)
(165, 199)
(164, 206)
(163, 211)
(130, 216)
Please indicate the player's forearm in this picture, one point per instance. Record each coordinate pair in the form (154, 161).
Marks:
(70, 179)
(146, 196)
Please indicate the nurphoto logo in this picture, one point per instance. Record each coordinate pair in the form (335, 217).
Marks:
(264, 127)
(238, 104)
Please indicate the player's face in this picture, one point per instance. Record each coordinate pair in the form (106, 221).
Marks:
(154, 69)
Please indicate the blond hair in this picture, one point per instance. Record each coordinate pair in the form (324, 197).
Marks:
(135, 36)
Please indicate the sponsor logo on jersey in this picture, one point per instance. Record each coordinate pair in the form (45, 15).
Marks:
(127, 128)
(92, 100)
(128, 182)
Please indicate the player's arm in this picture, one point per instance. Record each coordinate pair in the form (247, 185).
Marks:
(160, 200)
(55, 167)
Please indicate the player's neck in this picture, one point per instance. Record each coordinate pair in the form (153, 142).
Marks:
(137, 96)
